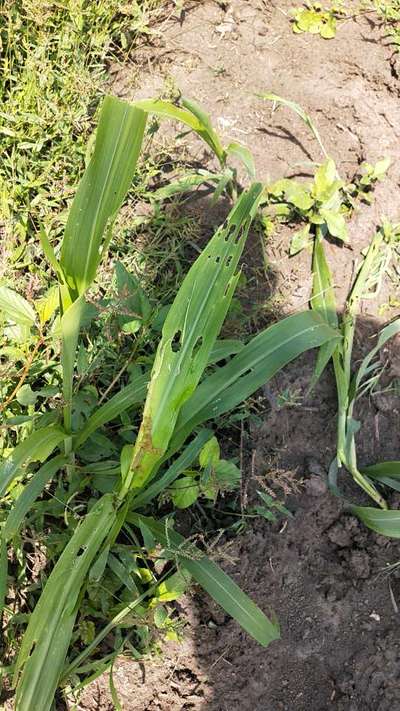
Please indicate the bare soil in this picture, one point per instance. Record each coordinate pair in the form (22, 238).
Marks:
(321, 572)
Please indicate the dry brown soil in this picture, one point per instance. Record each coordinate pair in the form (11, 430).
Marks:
(320, 572)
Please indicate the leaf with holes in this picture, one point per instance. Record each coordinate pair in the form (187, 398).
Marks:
(189, 334)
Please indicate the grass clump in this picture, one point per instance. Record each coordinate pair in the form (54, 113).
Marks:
(53, 60)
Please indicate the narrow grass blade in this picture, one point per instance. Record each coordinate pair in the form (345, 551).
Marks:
(387, 523)
(3, 573)
(191, 114)
(244, 155)
(101, 191)
(387, 473)
(391, 330)
(132, 394)
(47, 638)
(251, 368)
(224, 349)
(217, 583)
(299, 111)
(29, 495)
(70, 327)
(188, 456)
(323, 300)
(390, 468)
(37, 447)
(185, 184)
(189, 334)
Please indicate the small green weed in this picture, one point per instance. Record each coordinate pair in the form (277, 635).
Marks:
(317, 20)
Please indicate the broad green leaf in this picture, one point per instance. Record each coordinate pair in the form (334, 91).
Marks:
(48, 304)
(381, 167)
(256, 363)
(197, 110)
(300, 240)
(387, 473)
(126, 458)
(189, 333)
(134, 303)
(101, 191)
(383, 469)
(184, 492)
(46, 640)
(70, 326)
(130, 395)
(227, 475)
(298, 195)
(26, 396)
(245, 155)
(97, 570)
(49, 253)
(210, 453)
(336, 223)
(328, 28)
(387, 523)
(37, 447)
(326, 181)
(120, 572)
(219, 585)
(30, 493)
(15, 307)
(172, 588)
(188, 456)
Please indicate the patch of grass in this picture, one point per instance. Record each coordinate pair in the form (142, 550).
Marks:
(53, 61)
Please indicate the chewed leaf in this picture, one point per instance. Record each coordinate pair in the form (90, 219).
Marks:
(189, 334)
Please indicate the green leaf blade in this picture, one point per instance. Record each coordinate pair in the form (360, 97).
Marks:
(101, 191)
(218, 584)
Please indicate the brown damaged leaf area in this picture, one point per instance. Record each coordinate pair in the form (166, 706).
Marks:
(145, 456)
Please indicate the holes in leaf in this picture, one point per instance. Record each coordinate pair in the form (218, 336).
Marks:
(230, 233)
(176, 342)
(239, 235)
(229, 260)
